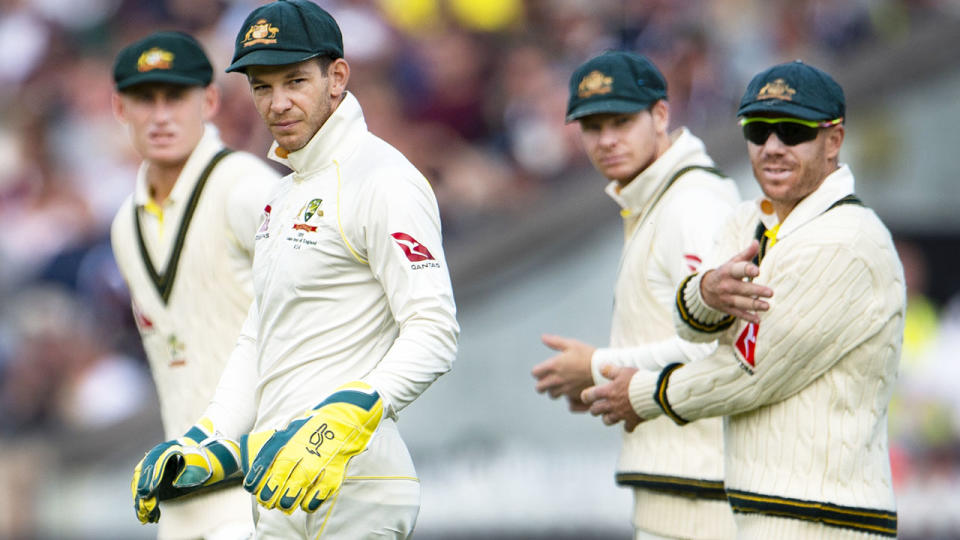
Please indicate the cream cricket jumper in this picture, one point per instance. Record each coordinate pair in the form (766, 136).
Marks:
(189, 313)
(805, 392)
(676, 472)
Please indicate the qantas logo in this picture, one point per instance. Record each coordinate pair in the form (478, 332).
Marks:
(265, 224)
(746, 345)
(693, 262)
(414, 250)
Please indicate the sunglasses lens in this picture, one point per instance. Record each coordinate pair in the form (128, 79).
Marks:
(789, 133)
(757, 132)
(792, 134)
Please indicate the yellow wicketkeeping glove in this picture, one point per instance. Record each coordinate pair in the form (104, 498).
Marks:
(305, 463)
(198, 459)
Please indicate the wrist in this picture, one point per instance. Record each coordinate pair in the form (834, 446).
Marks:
(693, 309)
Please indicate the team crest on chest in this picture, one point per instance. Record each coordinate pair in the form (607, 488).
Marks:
(308, 211)
(746, 346)
(176, 349)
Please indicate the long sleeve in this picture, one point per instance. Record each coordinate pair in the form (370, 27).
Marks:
(405, 253)
(825, 305)
(233, 406)
(650, 357)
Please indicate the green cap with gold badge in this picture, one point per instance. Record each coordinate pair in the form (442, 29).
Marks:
(614, 82)
(286, 32)
(163, 57)
(794, 89)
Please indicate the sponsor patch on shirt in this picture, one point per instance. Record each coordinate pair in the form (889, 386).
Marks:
(264, 224)
(144, 323)
(415, 251)
(746, 346)
(693, 262)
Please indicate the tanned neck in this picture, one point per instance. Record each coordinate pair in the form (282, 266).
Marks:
(161, 179)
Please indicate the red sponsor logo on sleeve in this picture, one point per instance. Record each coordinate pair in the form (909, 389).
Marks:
(414, 250)
(746, 344)
(693, 262)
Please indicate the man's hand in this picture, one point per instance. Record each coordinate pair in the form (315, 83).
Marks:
(198, 459)
(611, 401)
(726, 288)
(305, 463)
(565, 374)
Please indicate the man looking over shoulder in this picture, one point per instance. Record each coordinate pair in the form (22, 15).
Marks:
(353, 314)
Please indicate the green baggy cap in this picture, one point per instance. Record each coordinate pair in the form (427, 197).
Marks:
(286, 32)
(163, 57)
(614, 82)
(796, 90)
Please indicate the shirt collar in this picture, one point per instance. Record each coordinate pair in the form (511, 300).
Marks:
(206, 148)
(685, 149)
(334, 141)
(835, 186)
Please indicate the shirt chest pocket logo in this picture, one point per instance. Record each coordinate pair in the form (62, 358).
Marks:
(305, 224)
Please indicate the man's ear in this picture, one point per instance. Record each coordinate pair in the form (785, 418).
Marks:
(116, 104)
(211, 101)
(339, 73)
(661, 115)
(834, 140)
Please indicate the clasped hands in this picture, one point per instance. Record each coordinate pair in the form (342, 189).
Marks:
(569, 374)
(727, 288)
(296, 467)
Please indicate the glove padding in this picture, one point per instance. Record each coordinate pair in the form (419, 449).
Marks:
(305, 463)
(198, 459)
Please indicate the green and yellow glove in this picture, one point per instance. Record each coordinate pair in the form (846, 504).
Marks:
(305, 463)
(198, 459)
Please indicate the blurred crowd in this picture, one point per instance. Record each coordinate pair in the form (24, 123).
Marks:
(472, 91)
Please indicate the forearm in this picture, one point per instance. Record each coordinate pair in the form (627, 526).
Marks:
(826, 307)
(233, 407)
(424, 350)
(649, 357)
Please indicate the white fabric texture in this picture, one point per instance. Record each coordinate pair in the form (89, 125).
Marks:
(665, 239)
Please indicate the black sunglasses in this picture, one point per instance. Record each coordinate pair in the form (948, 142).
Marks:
(790, 131)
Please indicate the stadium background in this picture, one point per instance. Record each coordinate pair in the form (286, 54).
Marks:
(474, 93)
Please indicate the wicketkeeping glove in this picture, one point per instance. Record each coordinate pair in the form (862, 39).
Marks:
(198, 459)
(305, 463)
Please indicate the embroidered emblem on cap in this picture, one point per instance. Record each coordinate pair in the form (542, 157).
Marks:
(595, 83)
(776, 89)
(154, 58)
(260, 32)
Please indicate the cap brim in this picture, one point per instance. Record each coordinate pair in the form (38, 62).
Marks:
(270, 57)
(607, 106)
(785, 108)
(160, 77)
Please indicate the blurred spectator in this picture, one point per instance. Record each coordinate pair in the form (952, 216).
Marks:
(61, 373)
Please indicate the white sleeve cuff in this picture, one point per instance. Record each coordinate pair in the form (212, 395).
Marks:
(694, 318)
(642, 387)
